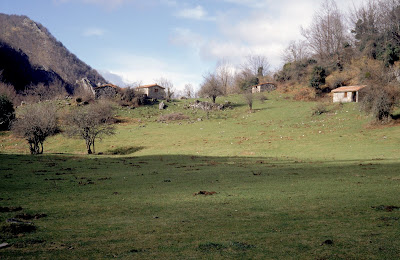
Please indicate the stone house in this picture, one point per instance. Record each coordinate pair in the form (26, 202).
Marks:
(106, 91)
(152, 91)
(268, 86)
(347, 94)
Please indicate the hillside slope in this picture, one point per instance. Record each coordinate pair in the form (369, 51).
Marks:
(30, 54)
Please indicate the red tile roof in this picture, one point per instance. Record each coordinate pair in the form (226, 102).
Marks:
(150, 86)
(348, 89)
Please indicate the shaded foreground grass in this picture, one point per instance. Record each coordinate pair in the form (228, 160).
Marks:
(144, 208)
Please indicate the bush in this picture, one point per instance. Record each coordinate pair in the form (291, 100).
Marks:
(9, 91)
(318, 76)
(379, 102)
(304, 94)
(249, 97)
(7, 113)
(319, 109)
(262, 97)
(35, 124)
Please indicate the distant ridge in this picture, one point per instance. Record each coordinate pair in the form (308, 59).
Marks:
(29, 54)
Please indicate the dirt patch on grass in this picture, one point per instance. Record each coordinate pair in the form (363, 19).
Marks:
(212, 247)
(27, 216)
(386, 208)
(173, 117)
(14, 229)
(205, 193)
(104, 179)
(9, 209)
(28, 242)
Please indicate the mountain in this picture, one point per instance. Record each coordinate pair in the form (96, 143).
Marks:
(30, 55)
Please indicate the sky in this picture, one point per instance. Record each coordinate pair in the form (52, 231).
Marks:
(132, 41)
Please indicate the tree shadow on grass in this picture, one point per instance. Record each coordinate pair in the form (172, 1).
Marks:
(124, 150)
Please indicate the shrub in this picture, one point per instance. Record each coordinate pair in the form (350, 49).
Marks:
(379, 102)
(304, 94)
(318, 76)
(35, 124)
(262, 97)
(319, 109)
(249, 97)
(7, 113)
(9, 91)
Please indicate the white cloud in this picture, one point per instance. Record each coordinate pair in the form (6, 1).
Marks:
(186, 37)
(196, 13)
(136, 68)
(249, 3)
(110, 5)
(169, 2)
(88, 32)
(265, 28)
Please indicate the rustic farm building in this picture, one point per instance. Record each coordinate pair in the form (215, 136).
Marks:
(152, 91)
(106, 91)
(346, 94)
(263, 87)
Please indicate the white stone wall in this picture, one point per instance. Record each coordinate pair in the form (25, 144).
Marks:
(156, 92)
(340, 97)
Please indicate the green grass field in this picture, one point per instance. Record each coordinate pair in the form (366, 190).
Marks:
(288, 185)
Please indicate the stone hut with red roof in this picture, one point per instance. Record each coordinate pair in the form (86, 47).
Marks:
(347, 94)
(154, 91)
(267, 86)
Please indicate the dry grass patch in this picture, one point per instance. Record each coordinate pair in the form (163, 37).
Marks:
(173, 117)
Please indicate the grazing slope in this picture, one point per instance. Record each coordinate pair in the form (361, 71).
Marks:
(274, 184)
(30, 54)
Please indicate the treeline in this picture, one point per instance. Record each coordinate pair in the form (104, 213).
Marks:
(361, 47)
(228, 79)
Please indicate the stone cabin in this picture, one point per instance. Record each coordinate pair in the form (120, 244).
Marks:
(106, 91)
(152, 91)
(347, 94)
(268, 86)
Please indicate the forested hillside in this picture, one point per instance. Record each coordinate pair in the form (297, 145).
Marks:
(30, 55)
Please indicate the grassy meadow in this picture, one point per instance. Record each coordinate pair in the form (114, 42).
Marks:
(289, 185)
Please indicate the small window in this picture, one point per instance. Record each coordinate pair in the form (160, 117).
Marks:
(156, 90)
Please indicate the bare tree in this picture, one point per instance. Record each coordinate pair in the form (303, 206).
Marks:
(91, 122)
(42, 92)
(7, 112)
(168, 85)
(225, 75)
(211, 87)
(258, 65)
(326, 35)
(35, 123)
(188, 91)
(296, 51)
(9, 91)
(245, 79)
(249, 97)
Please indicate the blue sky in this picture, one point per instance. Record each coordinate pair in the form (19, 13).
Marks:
(142, 40)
